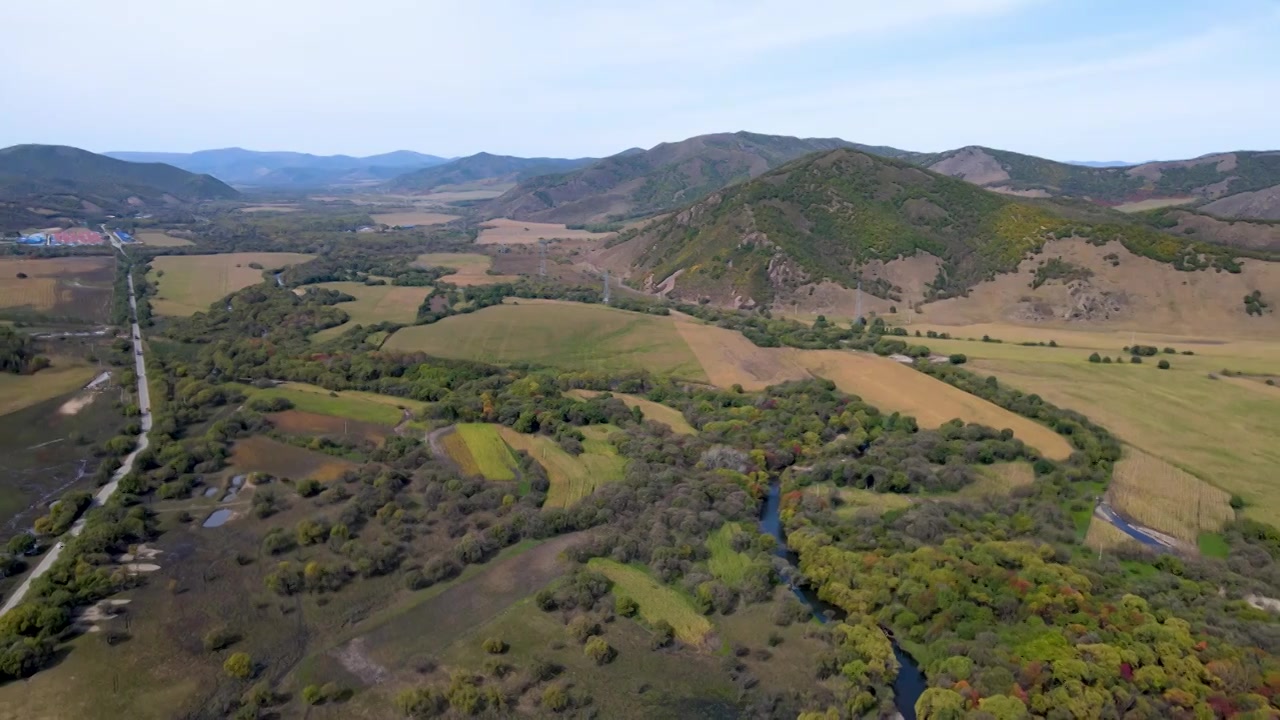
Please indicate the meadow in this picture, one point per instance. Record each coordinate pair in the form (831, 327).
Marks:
(300, 422)
(187, 284)
(472, 268)
(412, 217)
(657, 412)
(479, 449)
(572, 477)
(656, 601)
(76, 289)
(354, 404)
(154, 238)
(262, 454)
(728, 565)
(518, 232)
(570, 336)
(373, 304)
(64, 375)
(1222, 431)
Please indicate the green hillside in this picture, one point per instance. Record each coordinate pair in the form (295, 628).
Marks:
(482, 168)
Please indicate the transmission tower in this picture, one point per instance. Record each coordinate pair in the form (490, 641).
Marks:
(542, 258)
(606, 287)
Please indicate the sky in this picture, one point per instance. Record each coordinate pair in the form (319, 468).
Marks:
(1067, 79)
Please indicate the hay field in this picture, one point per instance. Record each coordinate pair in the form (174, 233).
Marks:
(79, 288)
(571, 336)
(518, 232)
(1223, 432)
(352, 404)
(892, 386)
(729, 358)
(64, 375)
(472, 268)
(190, 283)
(373, 304)
(668, 416)
(153, 238)
(413, 217)
(656, 601)
(572, 478)
(262, 454)
(478, 449)
(1153, 204)
(1159, 495)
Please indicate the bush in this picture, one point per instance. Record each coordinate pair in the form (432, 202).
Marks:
(239, 666)
(1135, 359)
(312, 695)
(1095, 358)
(958, 359)
(598, 650)
(1106, 360)
(307, 487)
(625, 606)
(1163, 364)
(663, 634)
(1237, 502)
(581, 628)
(494, 646)
(555, 698)
(219, 639)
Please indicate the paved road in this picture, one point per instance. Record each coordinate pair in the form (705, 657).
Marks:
(144, 402)
(1106, 512)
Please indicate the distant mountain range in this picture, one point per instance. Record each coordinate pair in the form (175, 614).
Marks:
(40, 183)
(482, 169)
(252, 168)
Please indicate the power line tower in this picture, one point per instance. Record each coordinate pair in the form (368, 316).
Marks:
(542, 258)
(606, 287)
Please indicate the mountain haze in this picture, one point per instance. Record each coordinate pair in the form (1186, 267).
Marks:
(483, 168)
(273, 169)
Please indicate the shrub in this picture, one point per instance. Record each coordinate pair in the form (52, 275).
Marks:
(598, 650)
(239, 666)
(958, 359)
(555, 698)
(625, 606)
(1095, 358)
(307, 487)
(1237, 502)
(581, 628)
(1106, 360)
(494, 646)
(1135, 359)
(219, 638)
(312, 695)
(1163, 364)
(663, 634)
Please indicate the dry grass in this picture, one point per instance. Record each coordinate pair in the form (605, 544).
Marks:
(999, 479)
(300, 422)
(1153, 204)
(65, 374)
(374, 304)
(730, 359)
(851, 501)
(1103, 535)
(191, 282)
(892, 386)
(1173, 501)
(472, 268)
(572, 478)
(262, 454)
(668, 416)
(413, 217)
(518, 232)
(72, 286)
(159, 239)
(268, 208)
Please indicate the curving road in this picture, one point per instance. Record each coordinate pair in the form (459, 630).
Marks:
(105, 493)
(1143, 535)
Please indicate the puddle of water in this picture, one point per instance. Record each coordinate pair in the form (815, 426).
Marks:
(238, 480)
(210, 492)
(217, 519)
(231, 495)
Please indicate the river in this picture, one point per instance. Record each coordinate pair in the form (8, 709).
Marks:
(910, 682)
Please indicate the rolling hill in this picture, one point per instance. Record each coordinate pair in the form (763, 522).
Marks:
(44, 181)
(281, 169)
(841, 216)
(636, 183)
(482, 169)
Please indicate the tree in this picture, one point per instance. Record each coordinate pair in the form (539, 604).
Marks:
(663, 634)
(312, 695)
(1163, 364)
(555, 698)
(239, 666)
(940, 704)
(1095, 358)
(958, 359)
(494, 646)
(598, 650)
(625, 606)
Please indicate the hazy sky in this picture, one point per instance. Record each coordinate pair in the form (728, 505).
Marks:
(1067, 79)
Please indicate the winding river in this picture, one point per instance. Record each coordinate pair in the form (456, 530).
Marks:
(910, 683)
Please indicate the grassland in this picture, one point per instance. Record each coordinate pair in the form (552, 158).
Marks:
(656, 601)
(998, 479)
(658, 412)
(572, 478)
(353, 404)
(63, 376)
(478, 449)
(1222, 432)
(849, 502)
(1173, 501)
(1153, 204)
(571, 336)
(414, 217)
(262, 454)
(67, 288)
(472, 268)
(727, 564)
(269, 208)
(300, 422)
(373, 304)
(154, 238)
(187, 284)
(518, 232)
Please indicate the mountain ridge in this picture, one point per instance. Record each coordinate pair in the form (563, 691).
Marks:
(236, 165)
(484, 168)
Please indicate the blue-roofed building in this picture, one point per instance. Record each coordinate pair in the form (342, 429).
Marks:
(124, 236)
(34, 239)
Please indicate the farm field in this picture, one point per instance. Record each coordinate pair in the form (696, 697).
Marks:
(300, 422)
(268, 208)
(1159, 495)
(471, 268)
(571, 336)
(262, 454)
(354, 404)
(518, 232)
(412, 217)
(478, 449)
(190, 283)
(63, 376)
(154, 238)
(1223, 432)
(373, 304)
(1154, 204)
(656, 601)
(572, 478)
(75, 289)
(658, 412)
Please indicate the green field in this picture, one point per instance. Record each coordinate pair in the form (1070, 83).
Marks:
(727, 564)
(656, 601)
(658, 412)
(572, 478)
(571, 336)
(63, 376)
(373, 304)
(187, 284)
(478, 449)
(1224, 431)
(353, 404)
